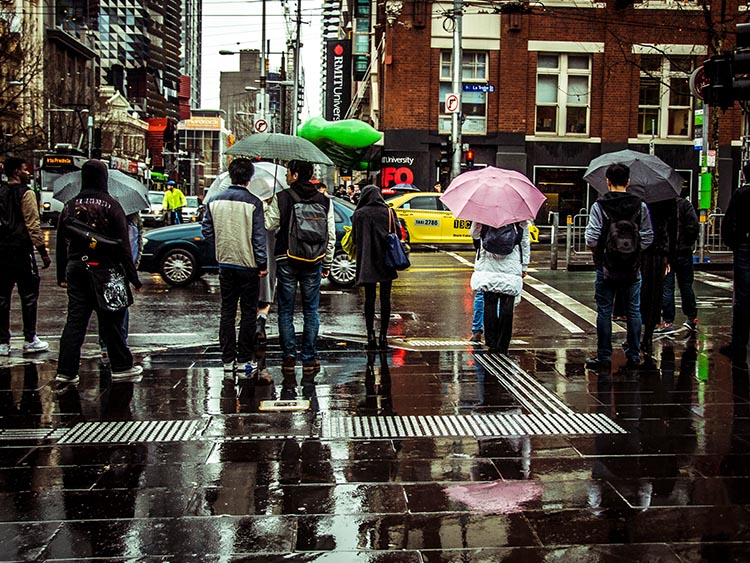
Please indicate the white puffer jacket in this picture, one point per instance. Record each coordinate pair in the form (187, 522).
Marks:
(500, 274)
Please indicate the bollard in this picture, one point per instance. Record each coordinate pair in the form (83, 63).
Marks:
(568, 239)
(555, 216)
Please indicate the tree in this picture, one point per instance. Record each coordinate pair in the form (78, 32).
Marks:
(21, 83)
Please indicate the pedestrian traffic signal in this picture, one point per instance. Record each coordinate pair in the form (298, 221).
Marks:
(469, 158)
(728, 75)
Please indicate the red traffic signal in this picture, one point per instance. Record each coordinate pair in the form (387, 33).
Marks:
(469, 157)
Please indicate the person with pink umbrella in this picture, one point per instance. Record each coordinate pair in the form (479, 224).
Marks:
(499, 203)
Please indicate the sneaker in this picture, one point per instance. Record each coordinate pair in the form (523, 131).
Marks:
(68, 379)
(476, 336)
(595, 363)
(134, 374)
(4, 349)
(250, 370)
(691, 325)
(310, 367)
(665, 328)
(35, 346)
(230, 367)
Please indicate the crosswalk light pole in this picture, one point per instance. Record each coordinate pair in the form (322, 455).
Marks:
(456, 87)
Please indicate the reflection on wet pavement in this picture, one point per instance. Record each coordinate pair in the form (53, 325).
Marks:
(243, 485)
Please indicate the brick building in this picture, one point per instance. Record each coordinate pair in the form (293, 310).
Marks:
(554, 85)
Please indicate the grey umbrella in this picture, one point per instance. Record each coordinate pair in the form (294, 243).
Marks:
(277, 146)
(651, 178)
(128, 191)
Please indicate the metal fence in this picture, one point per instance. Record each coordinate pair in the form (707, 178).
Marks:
(708, 247)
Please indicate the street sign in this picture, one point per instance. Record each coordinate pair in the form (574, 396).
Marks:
(478, 88)
(261, 126)
(452, 103)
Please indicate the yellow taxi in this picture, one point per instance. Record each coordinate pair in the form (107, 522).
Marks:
(428, 221)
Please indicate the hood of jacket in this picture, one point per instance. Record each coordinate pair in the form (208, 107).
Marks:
(305, 190)
(94, 176)
(371, 196)
(619, 204)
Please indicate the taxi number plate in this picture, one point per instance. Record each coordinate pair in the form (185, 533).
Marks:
(427, 222)
(461, 224)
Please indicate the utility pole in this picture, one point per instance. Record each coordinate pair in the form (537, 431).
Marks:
(262, 106)
(456, 88)
(296, 69)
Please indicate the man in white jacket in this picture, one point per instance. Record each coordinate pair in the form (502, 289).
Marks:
(500, 277)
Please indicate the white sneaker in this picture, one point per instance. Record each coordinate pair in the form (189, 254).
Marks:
(134, 374)
(4, 349)
(62, 378)
(35, 346)
(250, 371)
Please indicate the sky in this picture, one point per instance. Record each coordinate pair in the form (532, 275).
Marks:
(237, 24)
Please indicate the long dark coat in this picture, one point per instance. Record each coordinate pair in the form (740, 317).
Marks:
(369, 229)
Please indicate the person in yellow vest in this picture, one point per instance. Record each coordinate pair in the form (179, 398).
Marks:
(174, 201)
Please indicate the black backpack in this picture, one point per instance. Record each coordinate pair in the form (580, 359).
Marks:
(308, 230)
(622, 247)
(12, 225)
(501, 240)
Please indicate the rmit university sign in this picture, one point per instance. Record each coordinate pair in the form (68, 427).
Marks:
(338, 78)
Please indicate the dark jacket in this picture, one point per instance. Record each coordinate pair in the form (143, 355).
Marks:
(369, 229)
(687, 227)
(735, 230)
(308, 192)
(99, 210)
(664, 223)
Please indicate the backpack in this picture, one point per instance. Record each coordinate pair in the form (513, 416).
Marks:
(622, 247)
(12, 225)
(308, 230)
(501, 240)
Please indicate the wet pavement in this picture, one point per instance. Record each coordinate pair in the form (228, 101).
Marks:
(431, 451)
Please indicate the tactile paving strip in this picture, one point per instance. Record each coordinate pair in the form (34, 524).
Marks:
(132, 431)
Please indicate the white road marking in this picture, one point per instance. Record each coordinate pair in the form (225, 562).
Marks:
(554, 315)
(714, 280)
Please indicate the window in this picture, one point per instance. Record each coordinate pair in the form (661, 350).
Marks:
(664, 100)
(473, 104)
(562, 94)
(423, 203)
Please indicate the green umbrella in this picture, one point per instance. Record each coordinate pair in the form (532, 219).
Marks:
(277, 146)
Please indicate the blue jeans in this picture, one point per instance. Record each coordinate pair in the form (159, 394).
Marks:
(477, 321)
(287, 277)
(604, 293)
(741, 301)
(682, 268)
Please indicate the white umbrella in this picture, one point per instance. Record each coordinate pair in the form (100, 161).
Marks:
(268, 179)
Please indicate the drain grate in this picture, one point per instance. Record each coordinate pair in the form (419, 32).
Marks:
(132, 431)
(476, 426)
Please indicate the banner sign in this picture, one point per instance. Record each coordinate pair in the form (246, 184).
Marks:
(338, 78)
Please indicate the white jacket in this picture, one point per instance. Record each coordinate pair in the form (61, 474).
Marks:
(500, 274)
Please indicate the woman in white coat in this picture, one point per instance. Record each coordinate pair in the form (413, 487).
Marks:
(500, 277)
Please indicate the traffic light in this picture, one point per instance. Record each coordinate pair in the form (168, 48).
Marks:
(444, 160)
(469, 158)
(300, 97)
(718, 72)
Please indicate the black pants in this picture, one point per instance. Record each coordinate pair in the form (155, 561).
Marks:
(385, 306)
(741, 302)
(238, 286)
(498, 328)
(24, 275)
(653, 269)
(81, 303)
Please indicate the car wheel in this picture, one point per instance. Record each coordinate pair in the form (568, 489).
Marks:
(178, 267)
(343, 270)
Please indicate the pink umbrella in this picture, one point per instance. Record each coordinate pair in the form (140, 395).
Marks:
(493, 196)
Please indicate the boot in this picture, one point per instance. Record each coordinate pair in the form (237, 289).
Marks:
(371, 342)
(383, 341)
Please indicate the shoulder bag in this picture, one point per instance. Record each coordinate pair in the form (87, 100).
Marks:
(110, 287)
(395, 255)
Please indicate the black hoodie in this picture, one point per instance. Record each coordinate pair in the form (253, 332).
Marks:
(95, 207)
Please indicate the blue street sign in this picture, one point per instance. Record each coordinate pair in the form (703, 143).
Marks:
(478, 88)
